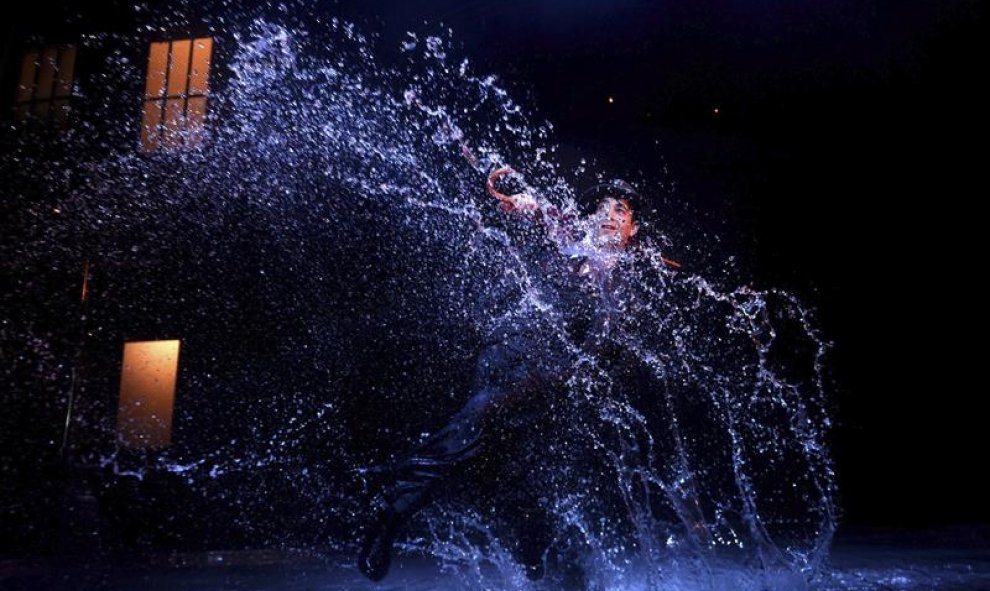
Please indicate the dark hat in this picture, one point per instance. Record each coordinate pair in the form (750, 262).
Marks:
(614, 188)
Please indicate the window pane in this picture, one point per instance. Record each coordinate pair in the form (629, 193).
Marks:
(200, 76)
(195, 121)
(151, 126)
(147, 393)
(174, 123)
(176, 70)
(29, 67)
(46, 75)
(178, 73)
(66, 64)
(157, 64)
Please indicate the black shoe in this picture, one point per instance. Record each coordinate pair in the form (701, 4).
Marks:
(376, 549)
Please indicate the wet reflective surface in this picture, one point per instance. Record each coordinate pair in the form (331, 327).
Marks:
(866, 561)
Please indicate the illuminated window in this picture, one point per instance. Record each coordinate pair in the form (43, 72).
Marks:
(46, 84)
(147, 393)
(175, 94)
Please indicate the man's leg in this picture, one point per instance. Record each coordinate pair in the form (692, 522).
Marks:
(500, 367)
(415, 478)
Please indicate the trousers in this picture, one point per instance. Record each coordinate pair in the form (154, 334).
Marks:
(521, 354)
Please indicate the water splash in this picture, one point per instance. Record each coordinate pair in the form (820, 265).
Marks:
(343, 196)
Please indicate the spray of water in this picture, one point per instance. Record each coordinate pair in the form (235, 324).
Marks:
(697, 459)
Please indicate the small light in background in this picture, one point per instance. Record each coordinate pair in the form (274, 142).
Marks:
(715, 110)
(611, 100)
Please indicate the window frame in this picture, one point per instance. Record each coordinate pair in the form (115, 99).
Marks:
(176, 97)
(46, 83)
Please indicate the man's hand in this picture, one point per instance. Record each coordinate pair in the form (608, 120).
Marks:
(521, 202)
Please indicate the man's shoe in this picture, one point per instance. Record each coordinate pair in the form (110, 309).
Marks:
(376, 549)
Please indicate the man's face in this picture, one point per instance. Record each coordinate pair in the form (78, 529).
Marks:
(616, 224)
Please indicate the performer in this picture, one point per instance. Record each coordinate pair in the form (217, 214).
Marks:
(576, 276)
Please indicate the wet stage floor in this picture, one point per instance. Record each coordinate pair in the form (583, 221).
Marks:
(881, 562)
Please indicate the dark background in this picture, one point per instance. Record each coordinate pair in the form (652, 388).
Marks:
(844, 157)
(845, 162)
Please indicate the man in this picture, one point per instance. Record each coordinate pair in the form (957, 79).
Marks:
(526, 347)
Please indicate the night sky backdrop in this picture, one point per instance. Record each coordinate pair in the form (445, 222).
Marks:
(847, 147)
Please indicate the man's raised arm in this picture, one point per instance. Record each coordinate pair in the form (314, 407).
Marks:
(521, 202)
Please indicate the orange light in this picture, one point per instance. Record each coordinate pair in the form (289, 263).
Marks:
(45, 85)
(175, 95)
(147, 393)
(84, 292)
